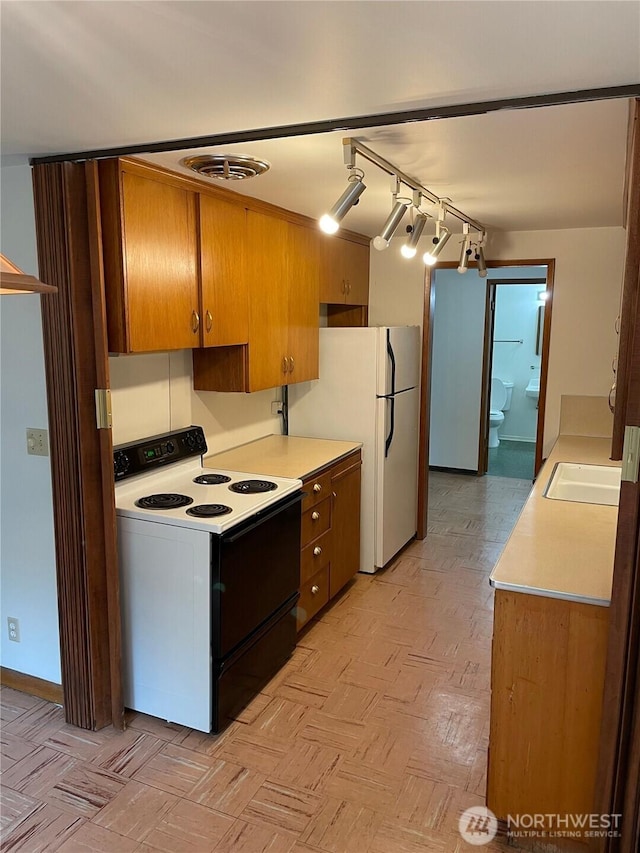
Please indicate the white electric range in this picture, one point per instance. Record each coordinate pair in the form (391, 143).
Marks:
(209, 573)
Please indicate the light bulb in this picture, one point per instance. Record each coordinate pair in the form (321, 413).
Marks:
(409, 249)
(328, 224)
(431, 258)
(380, 243)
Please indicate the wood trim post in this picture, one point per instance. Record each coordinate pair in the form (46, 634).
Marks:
(85, 572)
(630, 283)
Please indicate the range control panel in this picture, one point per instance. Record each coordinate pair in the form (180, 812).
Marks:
(158, 450)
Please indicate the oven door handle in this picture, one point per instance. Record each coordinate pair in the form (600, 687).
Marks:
(285, 504)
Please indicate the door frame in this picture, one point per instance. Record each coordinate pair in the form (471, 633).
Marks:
(487, 362)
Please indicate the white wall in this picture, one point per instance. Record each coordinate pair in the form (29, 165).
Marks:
(516, 318)
(586, 302)
(154, 393)
(27, 556)
(396, 289)
(456, 370)
(588, 279)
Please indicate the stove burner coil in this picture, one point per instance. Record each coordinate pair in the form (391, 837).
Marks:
(164, 501)
(252, 487)
(208, 510)
(212, 479)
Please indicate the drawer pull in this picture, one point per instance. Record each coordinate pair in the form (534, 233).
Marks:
(315, 589)
(317, 487)
(315, 516)
(317, 551)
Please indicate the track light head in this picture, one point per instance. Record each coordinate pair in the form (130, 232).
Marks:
(381, 242)
(409, 249)
(330, 222)
(481, 263)
(430, 258)
(465, 251)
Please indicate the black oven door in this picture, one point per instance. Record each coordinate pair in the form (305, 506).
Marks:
(255, 569)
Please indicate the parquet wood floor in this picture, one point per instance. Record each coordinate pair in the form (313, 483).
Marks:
(372, 738)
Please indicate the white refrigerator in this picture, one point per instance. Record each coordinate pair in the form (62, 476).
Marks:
(368, 391)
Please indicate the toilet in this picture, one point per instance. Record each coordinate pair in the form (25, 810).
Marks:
(500, 403)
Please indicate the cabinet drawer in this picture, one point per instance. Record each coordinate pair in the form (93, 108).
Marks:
(315, 557)
(315, 521)
(316, 489)
(313, 595)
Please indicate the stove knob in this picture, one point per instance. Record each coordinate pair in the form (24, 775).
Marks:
(190, 440)
(121, 463)
(170, 447)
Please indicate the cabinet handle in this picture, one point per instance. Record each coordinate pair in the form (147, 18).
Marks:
(315, 516)
(334, 495)
(317, 487)
(317, 551)
(348, 287)
(209, 321)
(344, 286)
(291, 364)
(315, 589)
(195, 321)
(285, 365)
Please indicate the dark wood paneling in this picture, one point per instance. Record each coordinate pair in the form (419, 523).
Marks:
(68, 320)
(425, 403)
(630, 287)
(31, 685)
(347, 315)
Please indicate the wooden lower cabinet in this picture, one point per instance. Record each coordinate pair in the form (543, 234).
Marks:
(547, 679)
(330, 536)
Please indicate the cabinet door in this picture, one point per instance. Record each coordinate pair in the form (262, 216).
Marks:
(356, 272)
(225, 312)
(345, 526)
(332, 275)
(160, 264)
(268, 300)
(304, 305)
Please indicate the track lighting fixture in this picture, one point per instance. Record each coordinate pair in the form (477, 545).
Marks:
(439, 241)
(381, 242)
(409, 249)
(330, 222)
(465, 251)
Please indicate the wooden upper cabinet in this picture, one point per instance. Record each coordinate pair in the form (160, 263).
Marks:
(267, 238)
(223, 247)
(149, 233)
(344, 271)
(303, 257)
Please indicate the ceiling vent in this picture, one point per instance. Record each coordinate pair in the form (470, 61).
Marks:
(226, 167)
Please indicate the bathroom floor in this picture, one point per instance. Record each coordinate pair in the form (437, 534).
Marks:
(512, 459)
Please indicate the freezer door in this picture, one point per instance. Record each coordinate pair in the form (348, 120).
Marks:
(398, 359)
(396, 473)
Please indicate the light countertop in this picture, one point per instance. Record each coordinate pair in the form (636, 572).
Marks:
(562, 549)
(282, 456)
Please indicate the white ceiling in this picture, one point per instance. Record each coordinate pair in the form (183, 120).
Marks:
(85, 75)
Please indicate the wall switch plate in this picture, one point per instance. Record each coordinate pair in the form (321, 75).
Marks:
(276, 407)
(13, 629)
(37, 442)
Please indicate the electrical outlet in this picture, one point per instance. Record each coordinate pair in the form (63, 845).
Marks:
(276, 407)
(13, 627)
(37, 442)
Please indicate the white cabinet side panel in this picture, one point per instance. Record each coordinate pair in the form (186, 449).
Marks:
(166, 621)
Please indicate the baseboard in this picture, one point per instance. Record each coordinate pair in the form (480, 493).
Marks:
(452, 470)
(516, 438)
(32, 685)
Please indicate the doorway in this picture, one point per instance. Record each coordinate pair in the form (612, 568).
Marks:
(513, 359)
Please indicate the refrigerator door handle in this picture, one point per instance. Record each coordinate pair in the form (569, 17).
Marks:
(392, 359)
(389, 440)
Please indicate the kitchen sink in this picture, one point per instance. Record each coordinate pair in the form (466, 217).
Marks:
(592, 484)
